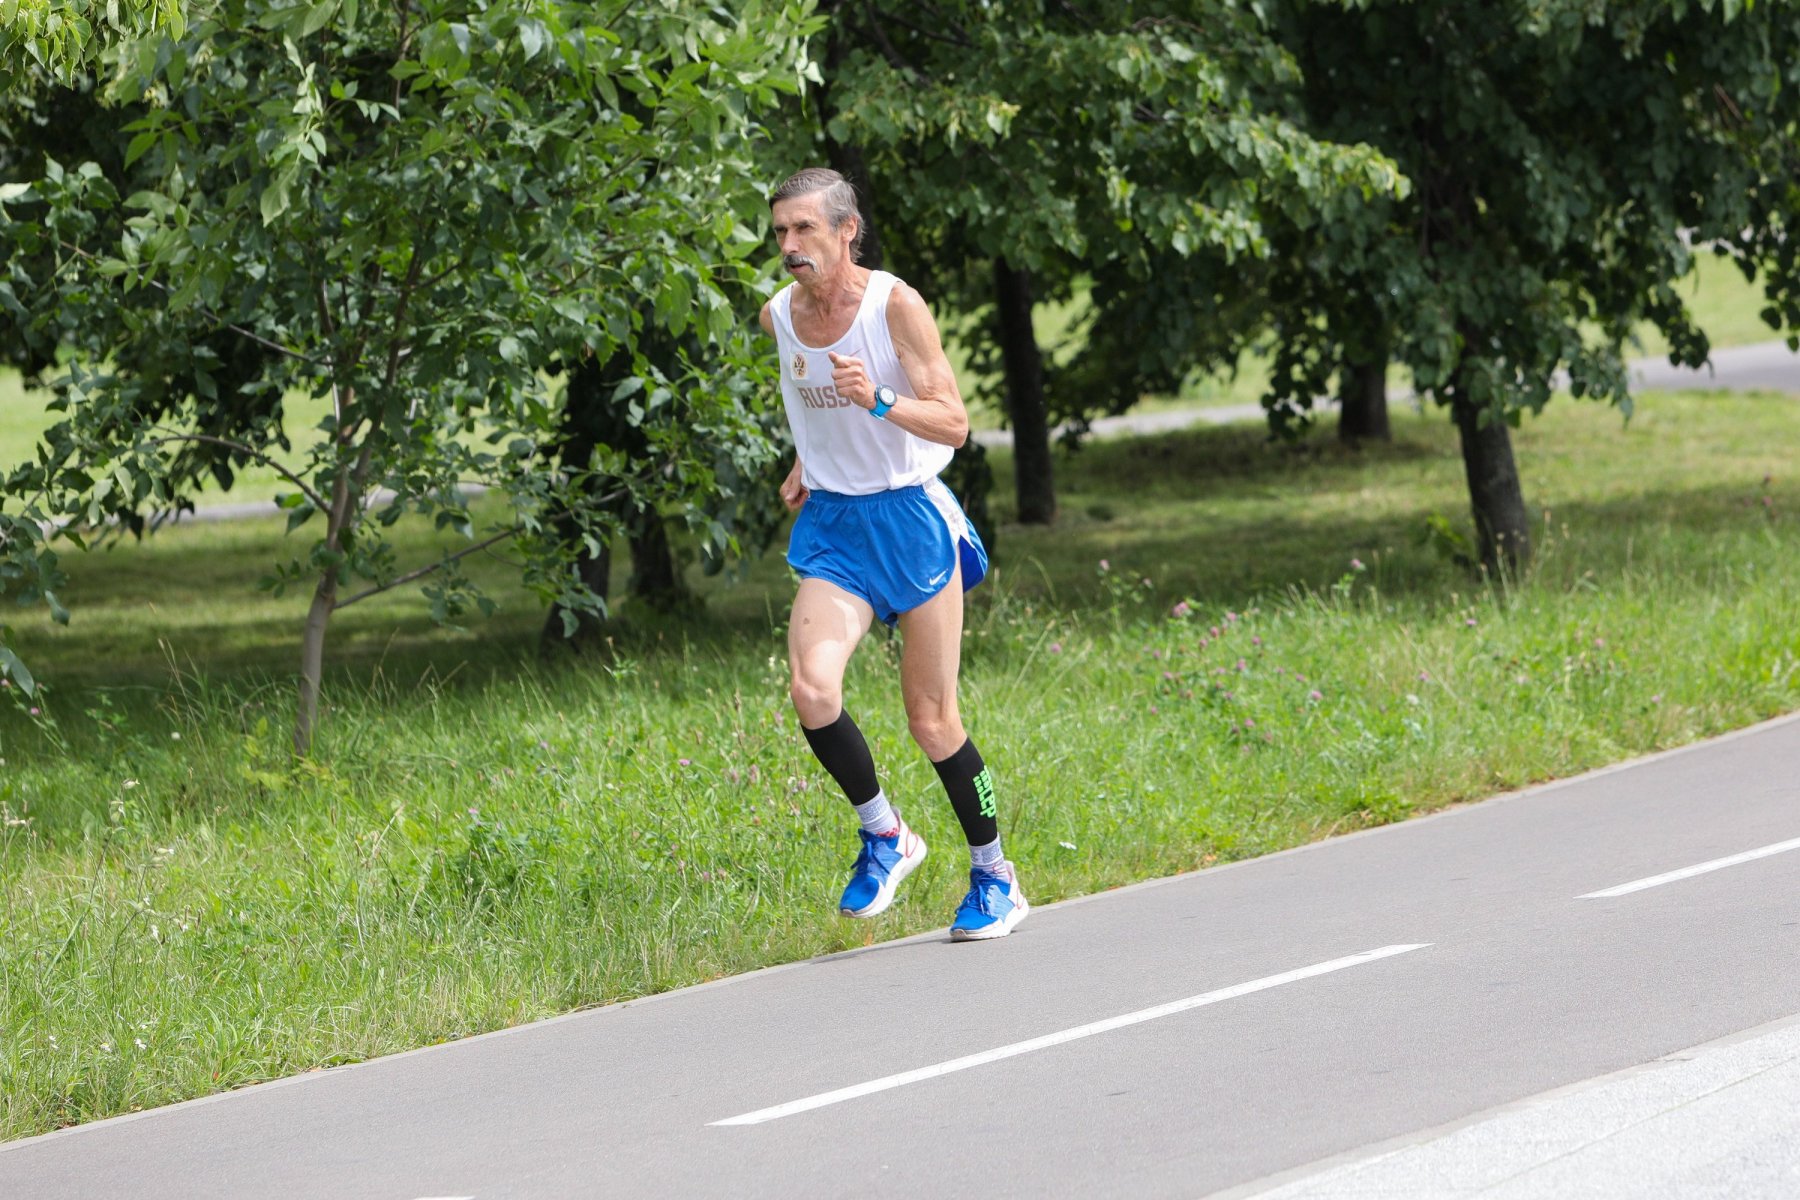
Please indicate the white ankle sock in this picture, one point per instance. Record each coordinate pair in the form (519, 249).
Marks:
(877, 815)
(988, 857)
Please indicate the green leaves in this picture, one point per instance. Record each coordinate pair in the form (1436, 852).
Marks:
(425, 212)
(1583, 153)
(61, 38)
(10, 665)
(1157, 152)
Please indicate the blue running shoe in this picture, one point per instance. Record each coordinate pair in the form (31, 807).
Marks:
(883, 863)
(995, 904)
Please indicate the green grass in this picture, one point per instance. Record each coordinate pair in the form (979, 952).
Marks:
(483, 839)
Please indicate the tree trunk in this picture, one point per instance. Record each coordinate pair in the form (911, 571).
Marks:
(1501, 527)
(312, 661)
(587, 422)
(1362, 402)
(594, 571)
(846, 158)
(655, 580)
(1025, 406)
(345, 495)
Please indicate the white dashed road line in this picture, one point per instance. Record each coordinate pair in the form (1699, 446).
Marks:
(1638, 885)
(1066, 1035)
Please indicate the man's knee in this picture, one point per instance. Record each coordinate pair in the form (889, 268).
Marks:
(816, 702)
(938, 731)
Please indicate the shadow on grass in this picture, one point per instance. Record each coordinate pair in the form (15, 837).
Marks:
(1221, 516)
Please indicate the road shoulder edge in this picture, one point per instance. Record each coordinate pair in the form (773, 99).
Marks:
(1375, 1151)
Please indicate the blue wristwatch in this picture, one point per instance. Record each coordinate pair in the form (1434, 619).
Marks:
(884, 400)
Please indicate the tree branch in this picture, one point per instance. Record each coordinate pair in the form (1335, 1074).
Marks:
(959, 38)
(421, 572)
(317, 500)
(893, 56)
(477, 548)
(406, 291)
(337, 404)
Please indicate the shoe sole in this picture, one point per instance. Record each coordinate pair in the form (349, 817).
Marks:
(885, 896)
(999, 929)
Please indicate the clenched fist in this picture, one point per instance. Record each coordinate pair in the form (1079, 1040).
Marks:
(851, 379)
(794, 492)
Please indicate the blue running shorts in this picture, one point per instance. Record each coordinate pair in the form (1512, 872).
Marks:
(895, 549)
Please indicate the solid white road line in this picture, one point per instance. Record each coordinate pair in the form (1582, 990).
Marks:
(1638, 885)
(1066, 1035)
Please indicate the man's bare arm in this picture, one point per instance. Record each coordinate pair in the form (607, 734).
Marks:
(931, 406)
(793, 491)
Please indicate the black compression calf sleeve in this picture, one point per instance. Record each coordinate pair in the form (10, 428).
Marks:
(971, 791)
(843, 752)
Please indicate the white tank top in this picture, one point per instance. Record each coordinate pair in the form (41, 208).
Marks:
(842, 448)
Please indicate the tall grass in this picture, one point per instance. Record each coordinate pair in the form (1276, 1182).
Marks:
(1272, 651)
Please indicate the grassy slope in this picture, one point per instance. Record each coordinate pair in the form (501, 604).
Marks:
(482, 839)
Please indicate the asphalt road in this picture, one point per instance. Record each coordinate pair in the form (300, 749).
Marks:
(1171, 1039)
(1765, 366)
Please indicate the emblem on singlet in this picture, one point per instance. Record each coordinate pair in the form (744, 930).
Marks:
(799, 365)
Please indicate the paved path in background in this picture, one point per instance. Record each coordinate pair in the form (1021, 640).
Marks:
(1211, 1032)
(1767, 366)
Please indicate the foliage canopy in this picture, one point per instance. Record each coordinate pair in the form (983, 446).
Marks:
(420, 211)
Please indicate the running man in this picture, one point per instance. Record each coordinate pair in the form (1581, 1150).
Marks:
(876, 414)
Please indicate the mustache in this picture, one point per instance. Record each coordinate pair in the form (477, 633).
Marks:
(798, 260)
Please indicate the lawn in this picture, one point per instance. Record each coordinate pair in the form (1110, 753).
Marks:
(1226, 646)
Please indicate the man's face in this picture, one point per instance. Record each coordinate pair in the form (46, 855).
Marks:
(810, 247)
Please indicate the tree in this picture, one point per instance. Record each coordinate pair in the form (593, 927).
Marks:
(61, 37)
(608, 408)
(1025, 146)
(416, 211)
(1568, 161)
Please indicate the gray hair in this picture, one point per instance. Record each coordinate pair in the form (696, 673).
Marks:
(835, 194)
